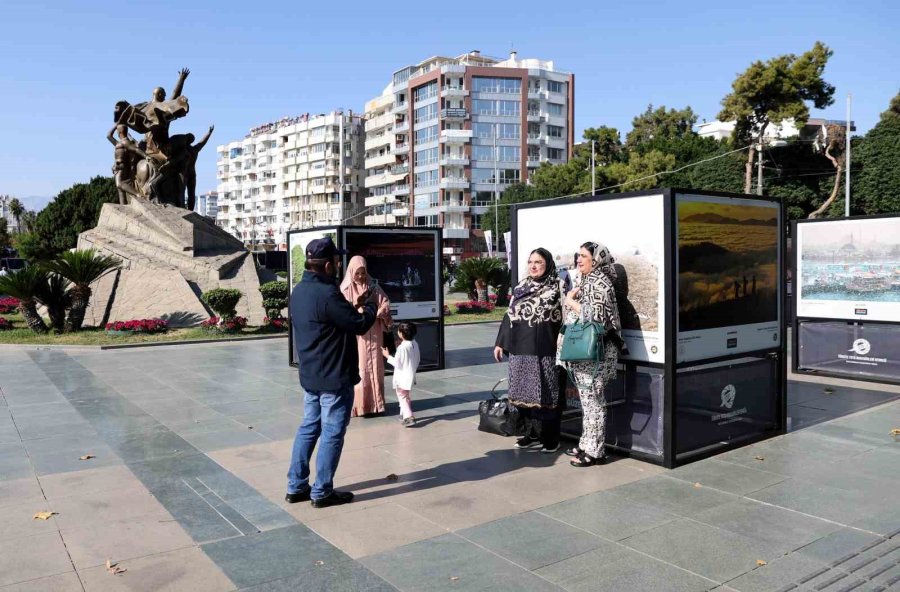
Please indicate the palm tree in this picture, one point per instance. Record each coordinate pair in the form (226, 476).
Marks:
(17, 209)
(26, 284)
(82, 268)
(57, 297)
(474, 275)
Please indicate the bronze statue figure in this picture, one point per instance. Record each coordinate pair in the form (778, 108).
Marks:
(161, 167)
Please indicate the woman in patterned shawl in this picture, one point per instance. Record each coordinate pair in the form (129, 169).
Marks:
(594, 298)
(528, 335)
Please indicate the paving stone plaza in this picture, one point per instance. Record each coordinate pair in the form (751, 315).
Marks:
(189, 447)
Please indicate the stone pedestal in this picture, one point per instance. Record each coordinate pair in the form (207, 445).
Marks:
(169, 257)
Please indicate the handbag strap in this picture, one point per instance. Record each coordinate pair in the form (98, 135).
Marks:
(494, 389)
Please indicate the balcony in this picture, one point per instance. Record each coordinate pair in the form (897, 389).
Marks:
(454, 161)
(401, 127)
(536, 139)
(400, 169)
(455, 136)
(537, 94)
(380, 200)
(533, 162)
(381, 160)
(401, 190)
(454, 92)
(458, 233)
(400, 107)
(535, 117)
(453, 68)
(372, 143)
(400, 149)
(454, 114)
(453, 207)
(454, 183)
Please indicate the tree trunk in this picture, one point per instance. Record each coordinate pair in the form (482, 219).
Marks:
(28, 308)
(81, 296)
(748, 169)
(839, 166)
(57, 319)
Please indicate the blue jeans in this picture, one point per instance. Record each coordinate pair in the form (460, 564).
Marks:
(325, 414)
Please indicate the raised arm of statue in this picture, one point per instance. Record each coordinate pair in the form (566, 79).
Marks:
(199, 145)
(179, 86)
(111, 135)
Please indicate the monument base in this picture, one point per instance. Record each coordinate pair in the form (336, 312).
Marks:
(169, 257)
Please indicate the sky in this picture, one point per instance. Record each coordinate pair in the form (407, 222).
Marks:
(63, 65)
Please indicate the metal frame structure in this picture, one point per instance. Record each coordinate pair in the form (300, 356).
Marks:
(669, 328)
(797, 321)
(341, 244)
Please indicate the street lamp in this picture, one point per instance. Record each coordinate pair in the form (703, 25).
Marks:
(759, 161)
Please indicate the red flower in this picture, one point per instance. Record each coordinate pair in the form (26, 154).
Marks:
(8, 305)
(5, 324)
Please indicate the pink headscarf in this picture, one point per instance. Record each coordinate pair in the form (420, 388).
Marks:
(352, 290)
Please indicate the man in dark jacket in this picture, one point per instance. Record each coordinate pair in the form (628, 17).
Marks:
(325, 327)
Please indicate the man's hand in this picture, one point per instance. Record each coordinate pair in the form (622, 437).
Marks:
(498, 353)
(385, 351)
(363, 298)
(184, 72)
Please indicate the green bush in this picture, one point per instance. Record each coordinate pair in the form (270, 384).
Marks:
(223, 301)
(275, 298)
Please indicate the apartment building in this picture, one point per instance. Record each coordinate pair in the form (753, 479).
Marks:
(447, 135)
(293, 173)
(207, 204)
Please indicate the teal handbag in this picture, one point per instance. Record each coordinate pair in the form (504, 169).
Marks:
(582, 342)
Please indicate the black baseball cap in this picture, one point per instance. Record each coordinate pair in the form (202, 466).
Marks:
(322, 248)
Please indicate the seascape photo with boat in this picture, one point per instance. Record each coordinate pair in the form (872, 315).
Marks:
(849, 269)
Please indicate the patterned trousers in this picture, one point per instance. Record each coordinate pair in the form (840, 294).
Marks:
(593, 402)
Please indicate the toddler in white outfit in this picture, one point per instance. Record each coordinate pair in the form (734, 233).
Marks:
(405, 363)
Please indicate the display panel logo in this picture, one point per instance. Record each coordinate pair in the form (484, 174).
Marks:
(861, 347)
(728, 395)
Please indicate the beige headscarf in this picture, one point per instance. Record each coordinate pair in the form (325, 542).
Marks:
(352, 290)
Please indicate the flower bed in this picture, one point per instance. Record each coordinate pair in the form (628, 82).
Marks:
(148, 326)
(5, 324)
(279, 324)
(8, 305)
(473, 307)
(232, 325)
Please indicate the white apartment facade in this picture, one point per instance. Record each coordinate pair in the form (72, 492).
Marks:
(293, 173)
(207, 204)
(447, 135)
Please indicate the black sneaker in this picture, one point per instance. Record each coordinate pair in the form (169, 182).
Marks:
(336, 498)
(528, 442)
(549, 449)
(300, 496)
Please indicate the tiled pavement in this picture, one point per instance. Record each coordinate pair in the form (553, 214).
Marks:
(191, 444)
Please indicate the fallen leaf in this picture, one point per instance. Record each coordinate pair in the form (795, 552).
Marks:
(697, 485)
(895, 432)
(392, 477)
(249, 427)
(44, 515)
(454, 578)
(86, 457)
(320, 563)
(828, 390)
(759, 458)
(113, 568)
(760, 562)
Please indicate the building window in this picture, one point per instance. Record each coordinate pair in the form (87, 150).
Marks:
(427, 134)
(498, 107)
(555, 109)
(555, 87)
(426, 220)
(554, 131)
(426, 91)
(555, 154)
(476, 221)
(506, 176)
(504, 131)
(429, 156)
(496, 85)
(235, 152)
(426, 113)
(427, 178)
(427, 200)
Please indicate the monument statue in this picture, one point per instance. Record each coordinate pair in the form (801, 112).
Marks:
(161, 167)
(169, 255)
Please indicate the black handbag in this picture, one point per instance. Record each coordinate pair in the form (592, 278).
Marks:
(499, 416)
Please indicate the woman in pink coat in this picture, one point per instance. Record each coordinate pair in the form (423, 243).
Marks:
(369, 393)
